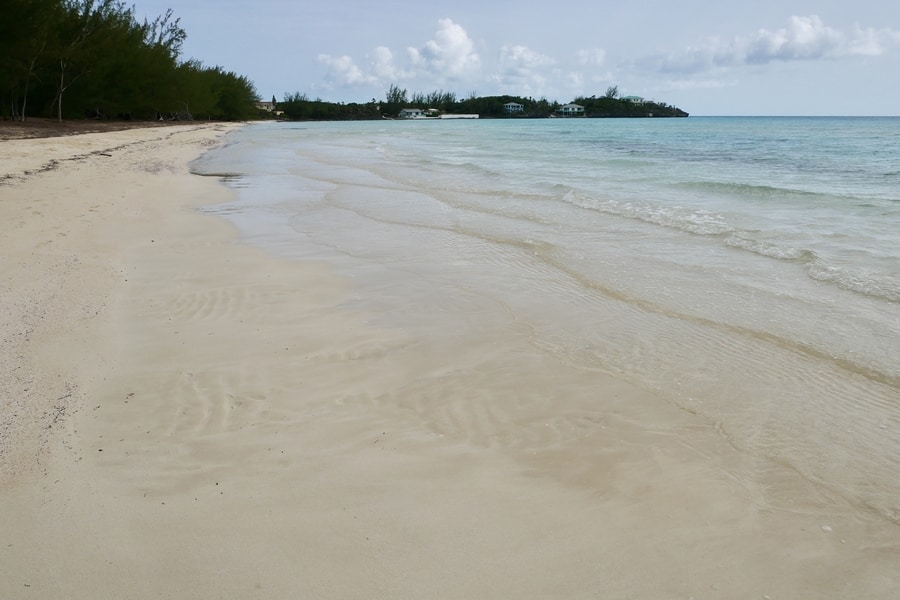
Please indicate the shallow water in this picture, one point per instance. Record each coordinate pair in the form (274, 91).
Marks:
(747, 270)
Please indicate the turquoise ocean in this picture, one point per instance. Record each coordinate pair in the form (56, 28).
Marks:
(745, 270)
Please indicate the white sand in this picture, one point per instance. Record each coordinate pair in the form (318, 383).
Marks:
(185, 417)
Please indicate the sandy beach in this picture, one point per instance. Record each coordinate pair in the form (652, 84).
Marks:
(185, 416)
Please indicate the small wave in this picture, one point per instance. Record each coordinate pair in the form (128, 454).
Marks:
(859, 281)
(704, 223)
(746, 189)
(699, 222)
(770, 250)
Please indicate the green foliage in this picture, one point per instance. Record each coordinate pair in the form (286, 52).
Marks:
(298, 106)
(394, 101)
(440, 100)
(494, 106)
(27, 35)
(611, 106)
(76, 58)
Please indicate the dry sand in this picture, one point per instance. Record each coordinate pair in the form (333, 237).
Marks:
(184, 416)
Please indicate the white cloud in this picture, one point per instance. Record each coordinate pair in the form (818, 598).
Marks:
(521, 70)
(381, 63)
(591, 57)
(342, 70)
(519, 64)
(872, 42)
(574, 81)
(522, 57)
(450, 54)
(804, 38)
(450, 58)
(696, 84)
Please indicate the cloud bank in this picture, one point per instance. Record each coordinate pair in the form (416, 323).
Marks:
(521, 68)
(805, 38)
(450, 58)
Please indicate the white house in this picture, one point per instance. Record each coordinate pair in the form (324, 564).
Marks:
(571, 110)
(412, 113)
(634, 99)
(513, 107)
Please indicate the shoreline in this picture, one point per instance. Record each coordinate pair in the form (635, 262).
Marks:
(42, 127)
(191, 417)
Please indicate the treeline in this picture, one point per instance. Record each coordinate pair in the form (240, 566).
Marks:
(495, 106)
(446, 102)
(300, 107)
(94, 58)
(611, 105)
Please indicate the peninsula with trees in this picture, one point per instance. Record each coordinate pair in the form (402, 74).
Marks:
(610, 105)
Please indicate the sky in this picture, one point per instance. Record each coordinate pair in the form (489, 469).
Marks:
(768, 57)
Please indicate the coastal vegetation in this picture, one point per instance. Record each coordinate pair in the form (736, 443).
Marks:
(299, 107)
(611, 104)
(95, 58)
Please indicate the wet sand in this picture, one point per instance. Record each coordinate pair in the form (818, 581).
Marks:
(185, 416)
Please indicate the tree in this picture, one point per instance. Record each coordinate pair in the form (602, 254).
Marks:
(164, 33)
(237, 96)
(612, 92)
(395, 95)
(25, 34)
(70, 56)
(80, 21)
(394, 100)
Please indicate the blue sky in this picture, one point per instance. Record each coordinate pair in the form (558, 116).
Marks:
(771, 57)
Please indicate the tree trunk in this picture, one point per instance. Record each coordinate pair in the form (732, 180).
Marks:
(62, 88)
(28, 77)
(25, 95)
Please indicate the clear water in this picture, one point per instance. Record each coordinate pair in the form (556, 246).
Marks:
(744, 269)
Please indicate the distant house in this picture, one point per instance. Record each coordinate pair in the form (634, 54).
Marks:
(513, 107)
(634, 99)
(267, 106)
(571, 110)
(412, 113)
